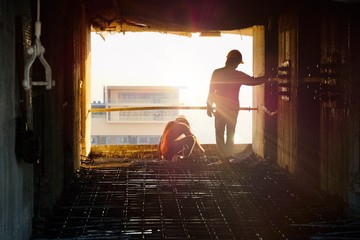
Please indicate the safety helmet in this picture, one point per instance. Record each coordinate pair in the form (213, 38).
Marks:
(235, 55)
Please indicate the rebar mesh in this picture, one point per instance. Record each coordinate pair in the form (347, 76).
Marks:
(150, 199)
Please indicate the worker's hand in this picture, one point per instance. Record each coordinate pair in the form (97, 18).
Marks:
(209, 110)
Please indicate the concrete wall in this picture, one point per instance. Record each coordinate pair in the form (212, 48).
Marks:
(16, 176)
(48, 113)
(29, 191)
(85, 126)
(258, 92)
(308, 107)
(287, 118)
(270, 97)
(76, 43)
(327, 124)
(340, 46)
(318, 134)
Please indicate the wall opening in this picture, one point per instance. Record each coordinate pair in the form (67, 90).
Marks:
(142, 61)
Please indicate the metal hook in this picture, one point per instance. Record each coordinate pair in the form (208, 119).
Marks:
(35, 51)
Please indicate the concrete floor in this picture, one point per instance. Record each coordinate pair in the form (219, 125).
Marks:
(247, 198)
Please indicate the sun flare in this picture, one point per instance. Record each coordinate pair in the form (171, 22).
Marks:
(156, 59)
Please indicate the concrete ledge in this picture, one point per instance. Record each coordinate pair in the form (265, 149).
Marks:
(148, 151)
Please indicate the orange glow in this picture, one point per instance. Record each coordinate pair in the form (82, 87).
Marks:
(156, 59)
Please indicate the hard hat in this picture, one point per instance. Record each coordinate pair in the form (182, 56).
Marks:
(235, 55)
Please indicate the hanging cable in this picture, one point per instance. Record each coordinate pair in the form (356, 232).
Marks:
(35, 51)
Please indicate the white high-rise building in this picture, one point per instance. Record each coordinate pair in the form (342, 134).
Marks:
(137, 126)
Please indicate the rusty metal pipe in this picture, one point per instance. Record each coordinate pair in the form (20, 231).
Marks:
(115, 109)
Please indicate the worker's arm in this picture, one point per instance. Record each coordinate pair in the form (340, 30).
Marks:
(252, 81)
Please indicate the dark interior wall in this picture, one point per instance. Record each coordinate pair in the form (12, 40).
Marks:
(29, 191)
(74, 38)
(270, 97)
(48, 112)
(340, 115)
(16, 176)
(354, 70)
(58, 110)
(287, 104)
(308, 110)
(318, 129)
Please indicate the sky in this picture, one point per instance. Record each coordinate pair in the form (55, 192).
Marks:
(157, 59)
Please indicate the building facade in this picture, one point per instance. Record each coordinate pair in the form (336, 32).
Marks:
(135, 126)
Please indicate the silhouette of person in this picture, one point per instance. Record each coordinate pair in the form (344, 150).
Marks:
(223, 94)
(178, 141)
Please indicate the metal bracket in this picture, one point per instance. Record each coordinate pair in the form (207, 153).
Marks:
(324, 76)
(35, 51)
(282, 79)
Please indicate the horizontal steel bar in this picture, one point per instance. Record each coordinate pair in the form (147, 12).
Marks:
(115, 109)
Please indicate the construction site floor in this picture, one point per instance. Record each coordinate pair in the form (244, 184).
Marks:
(245, 198)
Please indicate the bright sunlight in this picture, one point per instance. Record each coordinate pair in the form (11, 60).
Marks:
(156, 59)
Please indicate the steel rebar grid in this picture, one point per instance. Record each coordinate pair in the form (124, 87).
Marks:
(194, 200)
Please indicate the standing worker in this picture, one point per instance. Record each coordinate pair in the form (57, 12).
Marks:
(224, 91)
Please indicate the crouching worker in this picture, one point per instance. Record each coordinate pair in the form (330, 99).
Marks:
(177, 141)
